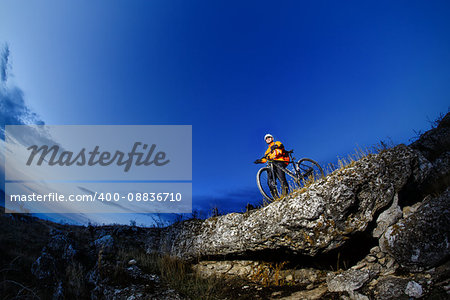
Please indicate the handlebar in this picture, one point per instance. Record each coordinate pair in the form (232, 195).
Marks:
(265, 156)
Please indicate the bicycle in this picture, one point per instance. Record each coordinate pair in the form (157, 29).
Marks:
(303, 172)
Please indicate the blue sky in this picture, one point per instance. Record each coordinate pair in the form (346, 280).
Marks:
(322, 76)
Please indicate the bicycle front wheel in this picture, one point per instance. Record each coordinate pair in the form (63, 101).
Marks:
(309, 170)
(262, 180)
(271, 193)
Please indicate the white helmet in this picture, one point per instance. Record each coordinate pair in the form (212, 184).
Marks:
(267, 135)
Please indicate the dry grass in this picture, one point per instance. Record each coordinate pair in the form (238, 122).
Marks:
(350, 159)
(268, 274)
(341, 164)
(75, 278)
(181, 277)
(177, 273)
(149, 263)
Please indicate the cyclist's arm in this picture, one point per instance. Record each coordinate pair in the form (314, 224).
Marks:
(269, 156)
(274, 152)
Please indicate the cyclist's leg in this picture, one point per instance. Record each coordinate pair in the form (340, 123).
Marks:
(281, 177)
(272, 183)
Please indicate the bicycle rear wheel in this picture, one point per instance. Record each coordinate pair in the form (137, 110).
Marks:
(309, 170)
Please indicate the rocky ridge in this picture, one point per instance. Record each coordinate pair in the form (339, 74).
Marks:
(375, 229)
(397, 199)
(318, 219)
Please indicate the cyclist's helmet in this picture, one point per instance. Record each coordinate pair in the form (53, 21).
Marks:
(267, 135)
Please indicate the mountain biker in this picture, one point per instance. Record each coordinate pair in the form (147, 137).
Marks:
(276, 152)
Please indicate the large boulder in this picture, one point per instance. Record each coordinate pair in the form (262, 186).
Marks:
(60, 246)
(435, 141)
(434, 145)
(310, 221)
(421, 240)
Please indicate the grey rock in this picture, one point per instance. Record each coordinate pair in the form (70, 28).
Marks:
(274, 294)
(253, 270)
(357, 296)
(241, 268)
(371, 258)
(375, 250)
(433, 177)
(306, 276)
(349, 280)
(390, 262)
(135, 272)
(441, 166)
(57, 243)
(387, 218)
(60, 247)
(421, 241)
(435, 147)
(105, 243)
(135, 291)
(391, 287)
(413, 289)
(409, 210)
(312, 294)
(69, 252)
(435, 141)
(359, 265)
(44, 267)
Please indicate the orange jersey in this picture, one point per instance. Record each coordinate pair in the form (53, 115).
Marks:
(277, 153)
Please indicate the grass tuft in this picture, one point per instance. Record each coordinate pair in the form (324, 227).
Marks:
(186, 281)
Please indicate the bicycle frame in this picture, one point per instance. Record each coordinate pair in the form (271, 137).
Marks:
(296, 174)
(299, 174)
(284, 169)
